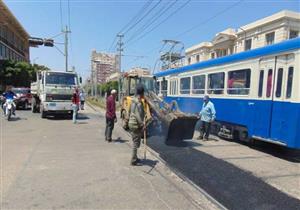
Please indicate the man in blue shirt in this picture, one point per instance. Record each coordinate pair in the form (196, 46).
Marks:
(207, 116)
(9, 95)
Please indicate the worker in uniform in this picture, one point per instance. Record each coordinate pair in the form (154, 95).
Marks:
(207, 116)
(136, 122)
(111, 117)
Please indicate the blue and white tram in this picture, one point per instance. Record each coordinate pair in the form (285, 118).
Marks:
(256, 93)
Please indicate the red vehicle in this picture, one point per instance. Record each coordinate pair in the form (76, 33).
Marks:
(23, 97)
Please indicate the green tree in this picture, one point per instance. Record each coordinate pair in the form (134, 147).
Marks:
(18, 74)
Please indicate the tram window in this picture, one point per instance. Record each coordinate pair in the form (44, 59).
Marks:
(164, 87)
(261, 83)
(173, 87)
(185, 85)
(279, 82)
(239, 82)
(158, 86)
(198, 84)
(290, 82)
(269, 83)
(216, 83)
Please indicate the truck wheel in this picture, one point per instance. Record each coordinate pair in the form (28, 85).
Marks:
(33, 106)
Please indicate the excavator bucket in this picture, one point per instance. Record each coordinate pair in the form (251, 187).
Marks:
(180, 129)
(171, 123)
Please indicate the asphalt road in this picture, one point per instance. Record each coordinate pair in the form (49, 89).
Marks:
(230, 185)
(55, 164)
(52, 163)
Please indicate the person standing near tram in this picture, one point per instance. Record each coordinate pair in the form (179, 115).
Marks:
(207, 116)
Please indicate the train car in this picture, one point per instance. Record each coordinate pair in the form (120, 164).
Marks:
(256, 93)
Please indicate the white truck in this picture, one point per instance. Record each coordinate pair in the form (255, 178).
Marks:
(52, 92)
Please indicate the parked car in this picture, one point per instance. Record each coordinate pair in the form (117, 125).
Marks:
(23, 97)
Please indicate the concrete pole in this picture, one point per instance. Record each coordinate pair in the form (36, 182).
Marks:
(120, 49)
(66, 48)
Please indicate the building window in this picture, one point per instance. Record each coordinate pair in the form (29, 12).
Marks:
(189, 60)
(293, 34)
(198, 84)
(212, 55)
(270, 38)
(248, 44)
(290, 82)
(239, 82)
(261, 83)
(198, 58)
(216, 83)
(279, 82)
(221, 53)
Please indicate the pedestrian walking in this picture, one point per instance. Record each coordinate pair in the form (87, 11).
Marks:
(136, 122)
(82, 99)
(207, 116)
(111, 117)
(75, 104)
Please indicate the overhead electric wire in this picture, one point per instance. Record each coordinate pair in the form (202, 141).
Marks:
(209, 19)
(69, 15)
(203, 22)
(132, 21)
(139, 13)
(152, 20)
(69, 30)
(143, 17)
(146, 5)
(61, 13)
(164, 20)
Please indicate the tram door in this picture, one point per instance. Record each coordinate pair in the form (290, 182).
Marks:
(281, 110)
(262, 109)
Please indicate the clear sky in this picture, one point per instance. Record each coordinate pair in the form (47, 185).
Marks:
(95, 23)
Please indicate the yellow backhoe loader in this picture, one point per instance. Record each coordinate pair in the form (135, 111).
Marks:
(162, 119)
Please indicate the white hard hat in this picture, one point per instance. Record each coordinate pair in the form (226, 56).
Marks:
(113, 91)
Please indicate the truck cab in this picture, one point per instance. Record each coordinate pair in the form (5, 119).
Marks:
(53, 91)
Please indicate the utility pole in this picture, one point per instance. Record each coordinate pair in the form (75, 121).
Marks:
(66, 31)
(120, 49)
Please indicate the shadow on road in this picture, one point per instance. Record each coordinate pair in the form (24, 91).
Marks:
(230, 185)
(292, 155)
(67, 117)
(13, 119)
(119, 140)
(285, 153)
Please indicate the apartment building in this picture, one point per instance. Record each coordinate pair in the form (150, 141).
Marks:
(273, 29)
(103, 65)
(13, 37)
